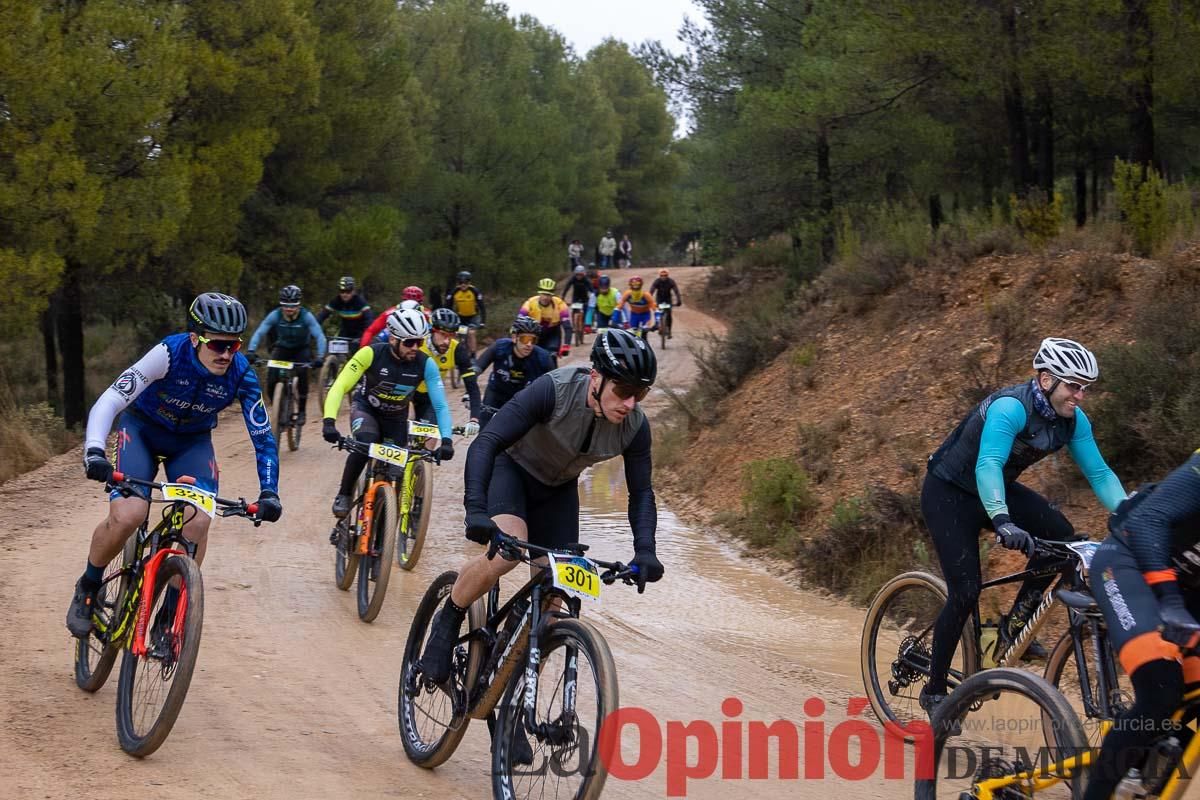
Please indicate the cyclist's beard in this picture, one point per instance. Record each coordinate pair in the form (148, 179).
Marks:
(403, 353)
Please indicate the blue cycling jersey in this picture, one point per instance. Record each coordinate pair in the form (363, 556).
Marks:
(172, 389)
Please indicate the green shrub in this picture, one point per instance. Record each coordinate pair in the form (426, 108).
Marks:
(1142, 200)
(1100, 273)
(867, 540)
(1039, 218)
(775, 500)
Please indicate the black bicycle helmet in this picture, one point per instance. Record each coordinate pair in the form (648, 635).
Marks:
(620, 355)
(524, 324)
(346, 284)
(218, 313)
(289, 295)
(444, 319)
(464, 277)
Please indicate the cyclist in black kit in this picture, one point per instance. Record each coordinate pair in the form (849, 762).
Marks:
(353, 312)
(516, 362)
(523, 469)
(1146, 579)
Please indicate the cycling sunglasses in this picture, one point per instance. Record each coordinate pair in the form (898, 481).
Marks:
(624, 391)
(220, 345)
(527, 338)
(411, 342)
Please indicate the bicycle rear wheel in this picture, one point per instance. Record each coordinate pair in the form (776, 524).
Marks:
(576, 692)
(1063, 673)
(375, 568)
(432, 720)
(329, 373)
(95, 655)
(664, 327)
(897, 643)
(153, 686)
(990, 728)
(413, 527)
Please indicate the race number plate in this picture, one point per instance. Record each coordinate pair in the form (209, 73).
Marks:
(389, 453)
(422, 430)
(273, 364)
(665, 306)
(337, 346)
(192, 495)
(1085, 551)
(577, 576)
(577, 306)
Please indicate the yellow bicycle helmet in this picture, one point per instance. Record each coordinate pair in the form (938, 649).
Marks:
(546, 286)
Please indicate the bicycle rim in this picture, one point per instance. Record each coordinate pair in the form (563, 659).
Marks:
(95, 655)
(1063, 673)
(990, 727)
(411, 538)
(432, 722)
(345, 559)
(375, 568)
(293, 429)
(277, 401)
(153, 686)
(897, 644)
(566, 763)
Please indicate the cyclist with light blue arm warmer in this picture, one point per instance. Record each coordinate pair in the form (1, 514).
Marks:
(293, 327)
(971, 484)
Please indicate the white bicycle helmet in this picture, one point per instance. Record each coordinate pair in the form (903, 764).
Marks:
(1066, 360)
(407, 323)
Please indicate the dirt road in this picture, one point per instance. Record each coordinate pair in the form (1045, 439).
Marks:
(294, 697)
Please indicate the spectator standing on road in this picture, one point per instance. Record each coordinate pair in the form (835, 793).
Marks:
(608, 246)
(625, 248)
(575, 253)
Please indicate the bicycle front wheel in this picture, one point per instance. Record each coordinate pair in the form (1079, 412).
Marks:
(278, 399)
(990, 729)
(153, 685)
(576, 693)
(897, 644)
(293, 436)
(95, 655)
(416, 522)
(375, 568)
(432, 719)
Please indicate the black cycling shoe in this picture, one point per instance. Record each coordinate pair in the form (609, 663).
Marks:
(439, 647)
(301, 418)
(79, 615)
(930, 700)
(341, 506)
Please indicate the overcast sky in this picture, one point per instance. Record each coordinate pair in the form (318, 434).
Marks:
(585, 23)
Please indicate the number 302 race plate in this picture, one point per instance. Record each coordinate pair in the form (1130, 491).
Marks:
(389, 453)
(577, 576)
(191, 495)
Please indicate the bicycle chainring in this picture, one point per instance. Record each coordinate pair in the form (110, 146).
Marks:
(904, 674)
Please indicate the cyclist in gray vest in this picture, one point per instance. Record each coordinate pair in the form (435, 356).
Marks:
(971, 484)
(521, 472)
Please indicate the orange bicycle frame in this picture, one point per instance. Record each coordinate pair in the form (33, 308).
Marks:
(138, 647)
(368, 513)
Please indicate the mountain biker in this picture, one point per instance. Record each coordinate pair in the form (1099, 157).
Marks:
(467, 302)
(191, 377)
(529, 459)
(443, 348)
(516, 362)
(292, 326)
(607, 299)
(971, 483)
(662, 288)
(353, 312)
(580, 289)
(554, 316)
(1146, 580)
(411, 294)
(641, 305)
(390, 372)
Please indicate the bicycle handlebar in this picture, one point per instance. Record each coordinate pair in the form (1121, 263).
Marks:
(520, 550)
(225, 508)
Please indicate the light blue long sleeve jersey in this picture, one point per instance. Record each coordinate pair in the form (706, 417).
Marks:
(291, 334)
(1006, 418)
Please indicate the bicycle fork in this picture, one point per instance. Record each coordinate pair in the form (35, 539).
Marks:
(562, 730)
(365, 519)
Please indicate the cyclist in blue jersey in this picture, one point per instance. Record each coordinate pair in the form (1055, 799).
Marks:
(170, 400)
(292, 326)
(516, 362)
(971, 484)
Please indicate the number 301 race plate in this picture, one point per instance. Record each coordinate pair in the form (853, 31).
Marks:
(577, 576)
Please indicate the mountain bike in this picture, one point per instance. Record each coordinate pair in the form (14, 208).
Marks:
(1000, 765)
(897, 640)
(577, 323)
(131, 613)
(285, 400)
(393, 500)
(555, 687)
(337, 353)
(466, 338)
(664, 324)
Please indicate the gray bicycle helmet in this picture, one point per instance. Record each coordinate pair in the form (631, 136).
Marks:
(346, 283)
(289, 295)
(218, 313)
(620, 355)
(464, 277)
(524, 324)
(444, 319)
